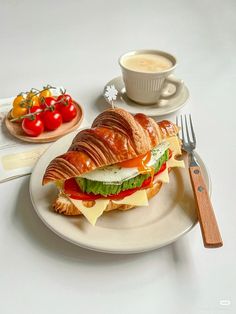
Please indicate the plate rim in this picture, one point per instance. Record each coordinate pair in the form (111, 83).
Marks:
(148, 110)
(98, 248)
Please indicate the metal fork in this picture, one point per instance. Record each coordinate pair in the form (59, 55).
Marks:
(210, 231)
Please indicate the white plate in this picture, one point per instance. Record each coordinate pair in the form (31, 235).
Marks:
(171, 213)
(161, 108)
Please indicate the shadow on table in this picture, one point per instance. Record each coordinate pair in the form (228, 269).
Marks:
(100, 104)
(27, 221)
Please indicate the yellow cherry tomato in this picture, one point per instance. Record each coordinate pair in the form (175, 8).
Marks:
(19, 100)
(18, 111)
(31, 94)
(45, 93)
(32, 99)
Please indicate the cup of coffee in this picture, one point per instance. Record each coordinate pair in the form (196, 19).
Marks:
(146, 74)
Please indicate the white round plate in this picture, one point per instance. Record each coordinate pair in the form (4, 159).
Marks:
(170, 214)
(159, 109)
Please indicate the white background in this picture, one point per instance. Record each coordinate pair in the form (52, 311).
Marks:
(76, 44)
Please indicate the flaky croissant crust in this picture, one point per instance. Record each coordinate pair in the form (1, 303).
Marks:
(115, 136)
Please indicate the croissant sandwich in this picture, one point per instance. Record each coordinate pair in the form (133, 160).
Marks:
(119, 163)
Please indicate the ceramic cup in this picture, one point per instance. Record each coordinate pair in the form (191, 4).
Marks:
(148, 88)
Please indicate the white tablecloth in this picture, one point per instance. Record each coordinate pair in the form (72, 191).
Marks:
(76, 44)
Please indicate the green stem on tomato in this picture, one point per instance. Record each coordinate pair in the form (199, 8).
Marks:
(21, 104)
(28, 115)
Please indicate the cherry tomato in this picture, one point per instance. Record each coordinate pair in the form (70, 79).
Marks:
(18, 111)
(68, 112)
(31, 94)
(47, 102)
(19, 100)
(32, 126)
(45, 93)
(33, 99)
(34, 109)
(64, 99)
(58, 107)
(52, 119)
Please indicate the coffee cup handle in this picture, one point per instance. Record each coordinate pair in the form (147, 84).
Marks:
(178, 86)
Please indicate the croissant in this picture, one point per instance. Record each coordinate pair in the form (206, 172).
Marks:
(115, 136)
(119, 139)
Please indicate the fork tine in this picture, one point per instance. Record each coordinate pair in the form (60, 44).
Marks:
(186, 125)
(191, 125)
(182, 129)
(176, 121)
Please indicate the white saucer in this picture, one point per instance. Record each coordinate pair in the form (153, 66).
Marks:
(161, 108)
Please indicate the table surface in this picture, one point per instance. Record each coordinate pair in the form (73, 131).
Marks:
(76, 44)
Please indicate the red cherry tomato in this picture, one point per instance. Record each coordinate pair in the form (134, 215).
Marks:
(64, 99)
(58, 107)
(34, 109)
(52, 119)
(47, 102)
(32, 126)
(68, 112)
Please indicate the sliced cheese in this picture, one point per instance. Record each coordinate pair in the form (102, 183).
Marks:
(139, 198)
(172, 162)
(91, 213)
(163, 176)
(174, 145)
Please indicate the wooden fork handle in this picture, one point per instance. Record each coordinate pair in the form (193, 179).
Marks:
(210, 231)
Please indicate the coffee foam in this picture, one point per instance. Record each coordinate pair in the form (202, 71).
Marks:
(146, 62)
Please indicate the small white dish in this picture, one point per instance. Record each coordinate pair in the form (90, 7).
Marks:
(161, 108)
(170, 214)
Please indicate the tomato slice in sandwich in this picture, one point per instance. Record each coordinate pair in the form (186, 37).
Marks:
(72, 189)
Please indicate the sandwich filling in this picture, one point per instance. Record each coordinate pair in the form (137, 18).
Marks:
(119, 180)
(122, 183)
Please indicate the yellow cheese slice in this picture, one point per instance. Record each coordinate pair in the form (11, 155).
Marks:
(172, 162)
(174, 145)
(91, 213)
(163, 176)
(139, 198)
